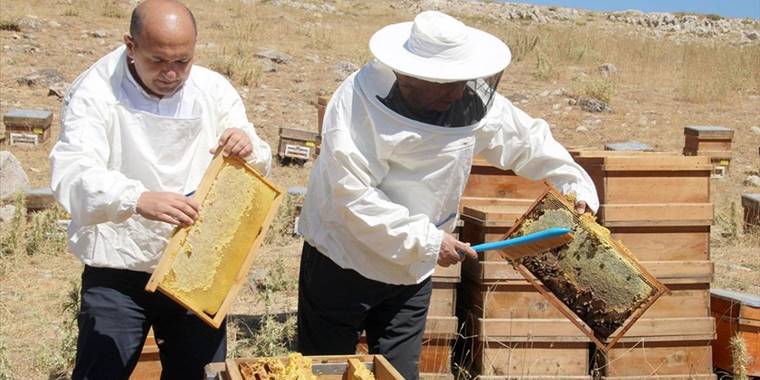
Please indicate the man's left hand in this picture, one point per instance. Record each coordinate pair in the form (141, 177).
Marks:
(234, 142)
(581, 207)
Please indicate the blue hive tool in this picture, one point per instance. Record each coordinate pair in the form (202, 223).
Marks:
(531, 244)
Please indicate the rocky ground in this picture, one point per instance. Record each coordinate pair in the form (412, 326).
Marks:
(282, 54)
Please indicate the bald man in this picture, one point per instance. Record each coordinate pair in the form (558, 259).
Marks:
(138, 131)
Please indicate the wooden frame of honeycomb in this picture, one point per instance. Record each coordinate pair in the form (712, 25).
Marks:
(345, 367)
(204, 265)
(594, 280)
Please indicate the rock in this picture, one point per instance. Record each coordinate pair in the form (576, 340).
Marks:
(313, 58)
(44, 77)
(99, 34)
(544, 94)
(6, 214)
(556, 107)
(752, 180)
(58, 89)
(343, 70)
(273, 55)
(54, 24)
(608, 69)
(571, 102)
(268, 66)
(582, 129)
(753, 35)
(643, 121)
(12, 176)
(755, 130)
(593, 105)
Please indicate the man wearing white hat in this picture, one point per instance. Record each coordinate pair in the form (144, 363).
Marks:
(398, 140)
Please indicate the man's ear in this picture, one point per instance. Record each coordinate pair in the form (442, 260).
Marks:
(130, 42)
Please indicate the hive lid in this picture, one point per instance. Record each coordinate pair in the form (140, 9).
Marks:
(748, 299)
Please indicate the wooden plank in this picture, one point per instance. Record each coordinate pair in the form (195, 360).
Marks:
(443, 299)
(149, 364)
(677, 243)
(521, 377)
(529, 330)
(537, 360)
(452, 273)
(631, 187)
(488, 201)
(493, 215)
(440, 327)
(660, 359)
(669, 272)
(435, 356)
(436, 376)
(523, 301)
(488, 181)
(656, 214)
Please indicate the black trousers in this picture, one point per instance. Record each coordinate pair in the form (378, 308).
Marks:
(335, 305)
(116, 314)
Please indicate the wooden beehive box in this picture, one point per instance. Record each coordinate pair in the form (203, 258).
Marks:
(321, 107)
(736, 314)
(713, 142)
(593, 279)
(23, 126)
(751, 206)
(298, 144)
(333, 367)
(487, 181)
(672, 223)
(204, 265)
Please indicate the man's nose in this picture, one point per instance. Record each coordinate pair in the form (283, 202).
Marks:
(170, 75)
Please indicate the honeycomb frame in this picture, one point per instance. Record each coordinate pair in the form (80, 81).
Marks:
(204, 272)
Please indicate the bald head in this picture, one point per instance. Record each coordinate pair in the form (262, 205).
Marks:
(161, 45)
(162, 18)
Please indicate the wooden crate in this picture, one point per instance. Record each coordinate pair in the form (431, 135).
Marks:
(197, 282)
(490, 182)
(672, 243)
(751, 206)
(662, 347)
(705, 139)
(298, 144)
(629, 178)
(27, 126)
(443, 300)
(333, 367)
(149, 364)
(736, 314)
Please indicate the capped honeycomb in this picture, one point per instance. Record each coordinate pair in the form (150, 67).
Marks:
(298, 367)
(207, 260)
(590, 275)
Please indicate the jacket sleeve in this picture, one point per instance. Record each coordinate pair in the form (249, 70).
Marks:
(366, 212)
(232, 115)
(81, 181)
(526, 146)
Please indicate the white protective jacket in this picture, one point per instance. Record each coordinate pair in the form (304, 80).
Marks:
(383, 182)
(109, 153)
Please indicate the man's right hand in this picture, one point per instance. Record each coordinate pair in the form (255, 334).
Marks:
(168, 207)
(453, 251)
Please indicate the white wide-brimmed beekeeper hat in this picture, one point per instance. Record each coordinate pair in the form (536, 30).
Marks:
(439, 48)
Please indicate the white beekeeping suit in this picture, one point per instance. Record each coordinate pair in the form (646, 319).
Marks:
(383, 182)
(111, 151)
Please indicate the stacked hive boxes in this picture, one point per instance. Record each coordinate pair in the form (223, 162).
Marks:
(710, 141)
(511, 330)
(659, 206)
(441, 326)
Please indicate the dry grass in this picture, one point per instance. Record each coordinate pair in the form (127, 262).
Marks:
(740, 357)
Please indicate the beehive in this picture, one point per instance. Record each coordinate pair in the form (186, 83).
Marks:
(713, 142)
(205, 264)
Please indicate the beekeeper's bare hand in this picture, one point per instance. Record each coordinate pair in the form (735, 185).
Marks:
(453, 251)
(581, 207)
(168, 207)
(233, 142)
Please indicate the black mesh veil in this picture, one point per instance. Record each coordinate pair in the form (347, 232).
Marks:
(474, 104)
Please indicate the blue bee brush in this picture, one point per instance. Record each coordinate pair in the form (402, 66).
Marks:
(531, 244)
